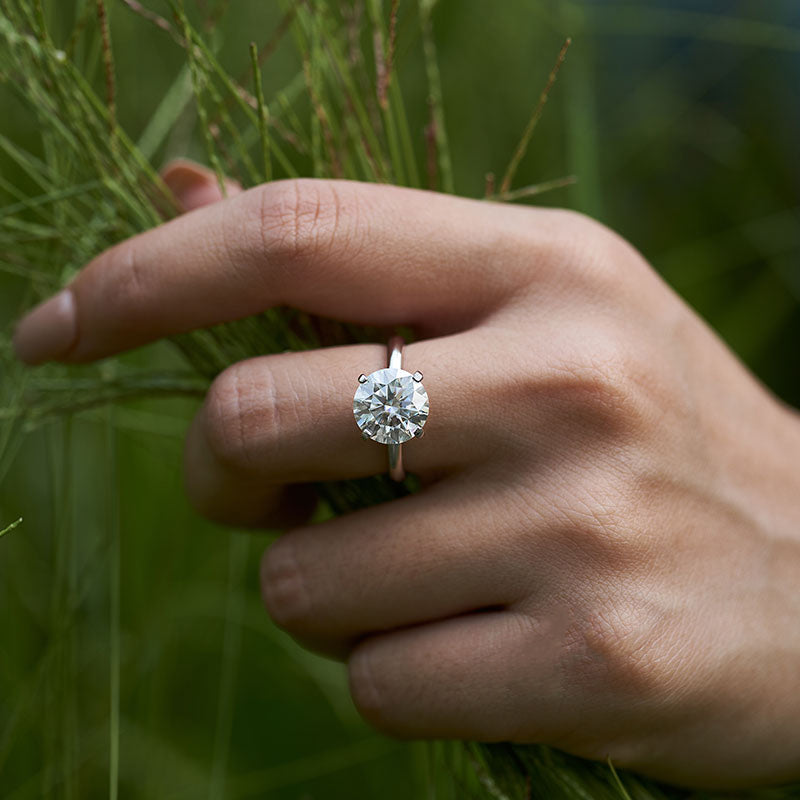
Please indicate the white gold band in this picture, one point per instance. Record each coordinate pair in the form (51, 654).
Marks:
(396, 471)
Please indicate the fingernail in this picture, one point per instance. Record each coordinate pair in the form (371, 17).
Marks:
(47, 332)
(195, 185)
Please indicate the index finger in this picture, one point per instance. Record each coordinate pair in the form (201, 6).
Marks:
(366, 253)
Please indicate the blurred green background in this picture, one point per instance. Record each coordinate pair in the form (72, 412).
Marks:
(680, 120)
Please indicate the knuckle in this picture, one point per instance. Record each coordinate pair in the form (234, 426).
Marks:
(232, 403)
(284, 587)
(569, 236)
(581, 395)
(579, 225)
(586, 231)
(122, 286)
(601, 260)
(605, 386)
(598, 524)
(612, 650)
(596, 385)
(300, 218)
(605, 383)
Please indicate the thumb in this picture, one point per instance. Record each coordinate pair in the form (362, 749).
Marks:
(195, 185)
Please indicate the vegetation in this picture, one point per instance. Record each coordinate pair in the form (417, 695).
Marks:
(137, 661)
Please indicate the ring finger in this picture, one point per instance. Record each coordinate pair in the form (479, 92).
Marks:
(288, 419)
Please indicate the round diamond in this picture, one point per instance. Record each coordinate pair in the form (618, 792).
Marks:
(390, 406)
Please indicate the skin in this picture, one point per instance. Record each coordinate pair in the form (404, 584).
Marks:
(605, 556)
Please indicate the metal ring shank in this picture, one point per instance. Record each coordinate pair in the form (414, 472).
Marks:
(396, 471)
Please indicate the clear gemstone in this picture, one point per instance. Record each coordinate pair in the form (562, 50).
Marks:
(390, 406)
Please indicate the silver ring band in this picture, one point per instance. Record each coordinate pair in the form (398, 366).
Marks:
(395, 351)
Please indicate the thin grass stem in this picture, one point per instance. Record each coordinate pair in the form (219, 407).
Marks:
(617, 782)
(108, 66)
(522, 147)
(238, 551)
(384, 56)
(11, 527)
(533, 189)
(262, 113)
(198, 94)
(114, 565)
(154, 19)
(438, 133)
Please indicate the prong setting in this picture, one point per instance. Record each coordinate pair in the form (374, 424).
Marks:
(362, 378)
(390, 405)
(417, 376)
(419, 433)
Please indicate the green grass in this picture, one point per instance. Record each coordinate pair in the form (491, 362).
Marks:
(11, 527)
(137, 659)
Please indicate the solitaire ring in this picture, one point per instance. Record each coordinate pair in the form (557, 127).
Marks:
(391, 406)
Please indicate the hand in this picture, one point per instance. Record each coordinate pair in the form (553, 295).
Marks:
(605, 556)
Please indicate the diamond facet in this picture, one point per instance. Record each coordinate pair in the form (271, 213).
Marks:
(390, 406)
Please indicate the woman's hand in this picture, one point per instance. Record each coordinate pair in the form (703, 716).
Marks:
(606, 553)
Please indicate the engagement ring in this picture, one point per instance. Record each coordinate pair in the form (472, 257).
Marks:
(391, 406)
